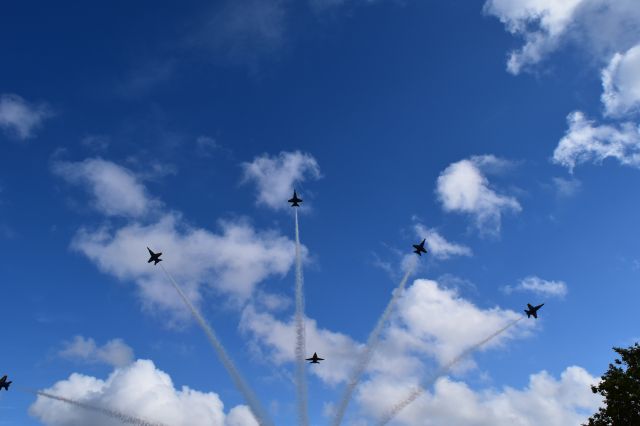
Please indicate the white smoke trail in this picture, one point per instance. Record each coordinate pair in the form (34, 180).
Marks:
(441, 372)
(365, 357)
(249, 396)
(124, 418)
(301, 377)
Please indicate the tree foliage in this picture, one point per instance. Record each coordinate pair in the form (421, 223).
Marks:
(620, 387)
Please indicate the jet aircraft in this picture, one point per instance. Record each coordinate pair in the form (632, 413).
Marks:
(533, 310)
(155, 257)
(4, 383)
(295, 201)
(419, 248)
(315, 359)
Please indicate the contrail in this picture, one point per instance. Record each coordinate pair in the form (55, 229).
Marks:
(365, 357)
(301, 377)
(249, 396)
(441, 372)
(124, 418)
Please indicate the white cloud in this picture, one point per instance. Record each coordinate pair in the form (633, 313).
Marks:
(463, 187)
(601, 27)
(586, 141)
(430, 321)
(546, 400)
(338, 349)
(115, 352)
(540, 287)
(276, 176)
(446, 324)
(115, 189)
(438, 246)
(621, 83)
(140, 390)
(542, 23)
(20, 118)
(232, 262)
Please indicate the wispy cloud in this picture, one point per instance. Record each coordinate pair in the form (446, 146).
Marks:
(566, 188)
(116, 190)
(540, 287)
(115, 352)
(585, 141)
(243, 31)
(20, 118)
(438, 246)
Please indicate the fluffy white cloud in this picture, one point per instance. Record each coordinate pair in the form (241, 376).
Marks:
(446, 324)
(139, 390)
(19, 117)
(115, 189)
(540, 287)
(621, 83)
(599, 26)
(115, 352)
(276, 176)
(438, 246)
(232, 262)
(586, 141)
(546, 400)
(463, 187)
(430, 321)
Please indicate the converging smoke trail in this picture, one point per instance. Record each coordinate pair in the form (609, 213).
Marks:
(441, 372)
(124, 418)
(301, 377)
(365, 357)
(249, 396)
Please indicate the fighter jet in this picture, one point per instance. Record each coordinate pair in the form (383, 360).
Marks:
(295, 201)
(419, 248)
(155, 257)
(4, 383)
(315, 359)
(533, 310)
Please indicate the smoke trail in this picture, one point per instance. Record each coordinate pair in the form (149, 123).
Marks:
(372, 342)
(249, 396)
(124, 418)
(441, 372)
(301, 378)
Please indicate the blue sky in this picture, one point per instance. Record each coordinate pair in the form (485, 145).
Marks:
(503, 132)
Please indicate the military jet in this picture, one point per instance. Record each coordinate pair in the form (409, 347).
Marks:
(4, 383)
(295, 201)
(315, 359)
(155, 257)
(419, 248)
(533, 310)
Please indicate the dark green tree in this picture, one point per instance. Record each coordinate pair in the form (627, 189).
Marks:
(620, 387)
